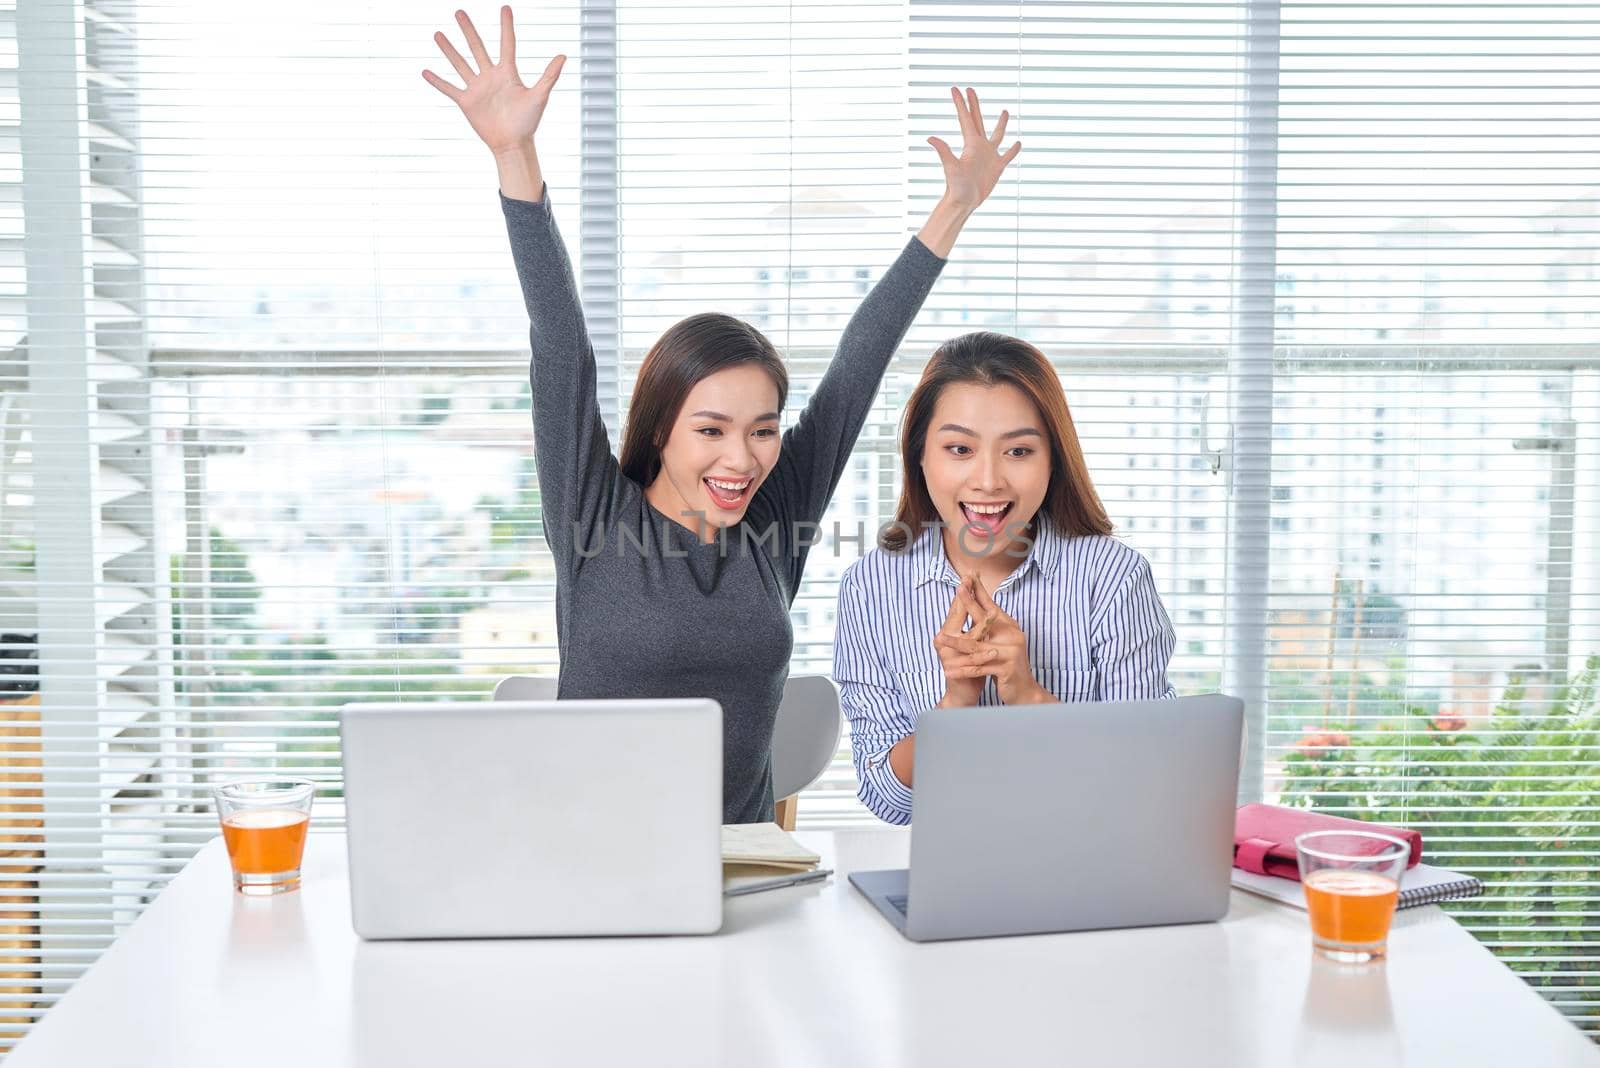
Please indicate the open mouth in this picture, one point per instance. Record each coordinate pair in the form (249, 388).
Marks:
(985, 519)
(729, 494)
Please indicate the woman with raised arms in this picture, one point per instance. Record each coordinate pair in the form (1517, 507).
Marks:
(677, 564)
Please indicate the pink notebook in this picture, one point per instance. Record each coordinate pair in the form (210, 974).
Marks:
(1263, 837)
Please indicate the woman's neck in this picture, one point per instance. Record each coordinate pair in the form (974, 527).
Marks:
(993, 568)
(661, 496)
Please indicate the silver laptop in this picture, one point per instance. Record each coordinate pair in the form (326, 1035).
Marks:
(519, 818)
(1067, 817)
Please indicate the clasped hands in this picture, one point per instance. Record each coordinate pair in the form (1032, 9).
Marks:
(979, 640)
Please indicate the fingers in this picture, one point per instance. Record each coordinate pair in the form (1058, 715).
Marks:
(956, 618)
(963, 118)
(960, 644)
(985, 623)
(971, 667)
(946, 157)
(972, 107)
(974, 611)
(999, 129)
(508, 37)
(1010, 155)
(982, 624)
(987, 614)
(973, 671)
(552, 71)
(474, 42)
(443, 86)
(462, 67)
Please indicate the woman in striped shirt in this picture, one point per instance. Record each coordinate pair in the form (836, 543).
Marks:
(999, 580)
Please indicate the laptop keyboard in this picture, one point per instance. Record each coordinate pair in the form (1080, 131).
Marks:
(898, 901)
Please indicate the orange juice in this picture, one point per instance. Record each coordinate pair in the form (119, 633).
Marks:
(1350, 907)
(265, 841)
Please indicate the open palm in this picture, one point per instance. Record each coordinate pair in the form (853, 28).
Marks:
(503, 112)
(970, 177)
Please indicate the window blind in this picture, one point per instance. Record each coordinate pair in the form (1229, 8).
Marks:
(1434, 484)
(1320, 281)
(765, 174)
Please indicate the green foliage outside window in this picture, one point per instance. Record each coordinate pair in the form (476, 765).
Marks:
(1513, 799)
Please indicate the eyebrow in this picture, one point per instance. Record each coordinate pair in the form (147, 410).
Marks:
(764, 417)
(1025, 432)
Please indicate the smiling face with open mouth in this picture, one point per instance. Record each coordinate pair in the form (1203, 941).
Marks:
(987, 467)
(721, 447)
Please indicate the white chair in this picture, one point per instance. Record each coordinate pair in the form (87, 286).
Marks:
(804, 738)
(526, 688)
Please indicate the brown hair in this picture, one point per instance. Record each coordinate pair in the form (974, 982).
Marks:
(690, 350)
(1071, 506)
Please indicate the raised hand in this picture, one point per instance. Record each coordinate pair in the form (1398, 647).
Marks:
(970, 177)
(503, 112)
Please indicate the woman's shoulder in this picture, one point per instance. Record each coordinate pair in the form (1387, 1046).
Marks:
(880, 568)
(1105, 558)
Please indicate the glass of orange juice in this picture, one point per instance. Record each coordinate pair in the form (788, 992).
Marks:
(1352, 881)
(264, 824)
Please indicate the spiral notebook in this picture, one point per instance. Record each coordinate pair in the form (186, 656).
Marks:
(1421, 885)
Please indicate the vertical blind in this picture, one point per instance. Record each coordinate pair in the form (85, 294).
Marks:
(266, 442)
(1320, 281)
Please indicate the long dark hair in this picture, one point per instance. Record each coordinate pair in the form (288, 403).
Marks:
(1071, 505)
(695, 348)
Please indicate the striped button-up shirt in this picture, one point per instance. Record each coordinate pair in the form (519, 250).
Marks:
(1096, 631)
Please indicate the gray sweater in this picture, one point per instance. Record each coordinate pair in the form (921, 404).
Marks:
(643, 607)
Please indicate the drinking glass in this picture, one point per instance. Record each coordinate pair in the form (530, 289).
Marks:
(264, 823)
(1351, 881)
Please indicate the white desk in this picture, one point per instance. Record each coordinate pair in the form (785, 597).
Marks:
(808, 976)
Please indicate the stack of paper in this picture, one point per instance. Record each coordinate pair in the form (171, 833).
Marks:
(763, 848)
(758, 856)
